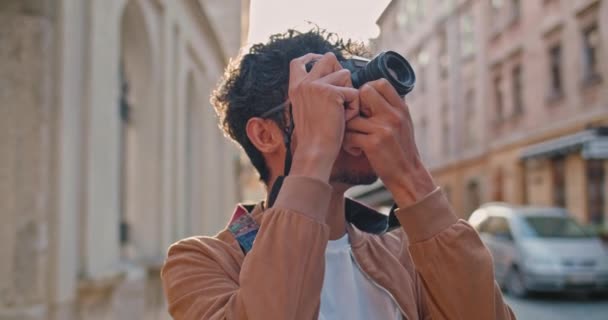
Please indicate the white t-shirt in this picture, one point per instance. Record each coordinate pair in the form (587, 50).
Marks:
(347, 293)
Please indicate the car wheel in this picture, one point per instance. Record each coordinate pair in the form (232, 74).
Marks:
(515, 284)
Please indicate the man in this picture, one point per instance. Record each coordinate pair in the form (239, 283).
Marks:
(312, 254)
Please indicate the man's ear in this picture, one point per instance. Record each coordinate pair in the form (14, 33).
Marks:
(265, 135)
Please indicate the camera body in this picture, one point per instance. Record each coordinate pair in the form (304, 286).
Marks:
(388, 65)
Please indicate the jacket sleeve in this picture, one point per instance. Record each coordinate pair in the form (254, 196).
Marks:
(280, 278)
(454, 269)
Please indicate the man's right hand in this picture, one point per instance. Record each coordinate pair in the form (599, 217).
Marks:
(322, 100)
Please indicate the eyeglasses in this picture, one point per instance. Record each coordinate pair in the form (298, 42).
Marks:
(274, 110)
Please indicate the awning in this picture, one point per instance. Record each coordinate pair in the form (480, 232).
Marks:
(591, 143)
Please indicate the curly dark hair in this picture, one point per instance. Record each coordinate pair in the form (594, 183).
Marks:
(257, 81)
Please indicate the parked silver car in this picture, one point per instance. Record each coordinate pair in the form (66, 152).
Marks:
(541, 249)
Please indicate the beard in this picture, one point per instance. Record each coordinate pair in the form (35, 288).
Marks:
(353, 177)
(352, 170)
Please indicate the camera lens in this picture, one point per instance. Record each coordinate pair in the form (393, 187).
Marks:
(390, 66)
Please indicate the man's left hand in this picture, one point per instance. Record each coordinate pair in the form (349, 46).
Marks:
(385, 133)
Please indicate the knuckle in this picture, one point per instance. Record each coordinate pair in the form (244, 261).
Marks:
(385, 132)
(330, 55)
(398, 118)
(384, 84)
(346, 75)
(293, 63)
(393, 120)
(315, 86)
(365, 89)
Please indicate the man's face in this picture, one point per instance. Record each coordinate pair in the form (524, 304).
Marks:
(352, 168)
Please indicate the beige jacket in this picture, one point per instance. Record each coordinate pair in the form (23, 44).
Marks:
(434, 266)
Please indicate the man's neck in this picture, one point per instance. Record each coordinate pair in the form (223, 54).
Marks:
(336, 218)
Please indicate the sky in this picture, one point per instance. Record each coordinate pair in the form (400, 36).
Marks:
(355, 19)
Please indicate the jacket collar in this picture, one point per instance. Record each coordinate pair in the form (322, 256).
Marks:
(361, 220)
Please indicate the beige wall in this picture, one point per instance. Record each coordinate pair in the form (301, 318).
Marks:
(71, 168)
(26, 121)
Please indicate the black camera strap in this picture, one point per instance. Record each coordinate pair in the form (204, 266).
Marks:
(276, 187)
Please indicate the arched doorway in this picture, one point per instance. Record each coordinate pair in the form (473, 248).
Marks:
(139, 137)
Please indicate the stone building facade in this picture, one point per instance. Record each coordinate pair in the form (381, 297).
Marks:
(109, 148)
(511, 102)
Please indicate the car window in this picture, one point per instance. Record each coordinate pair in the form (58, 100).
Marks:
(498, 226)
(555, 227)
(483, 226)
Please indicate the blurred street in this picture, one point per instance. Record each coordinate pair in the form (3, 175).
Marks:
(115, 114)
(558, 307)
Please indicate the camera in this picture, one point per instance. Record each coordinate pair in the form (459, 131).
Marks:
(388, 65)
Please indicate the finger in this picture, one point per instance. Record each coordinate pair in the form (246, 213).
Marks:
(350, 97)
(324, 66)
(341, 77)
(297, 66)
(372, 102)
(351, 110)
(361, 125)
(387, 91)
(356, 140)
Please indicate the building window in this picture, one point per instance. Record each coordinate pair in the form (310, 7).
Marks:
(496, 6)
(518, 95)
(401, 19)
(467, 35)
(443, 56)
(420, 13)
(515, 10)
(498, 99)
(411, 8)
(596, 182)
(559, 181)
(555, 67)
(591, 53)
(414, 12)
(445, 130)
(423, 141)
(469, 102)
(422, 59)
